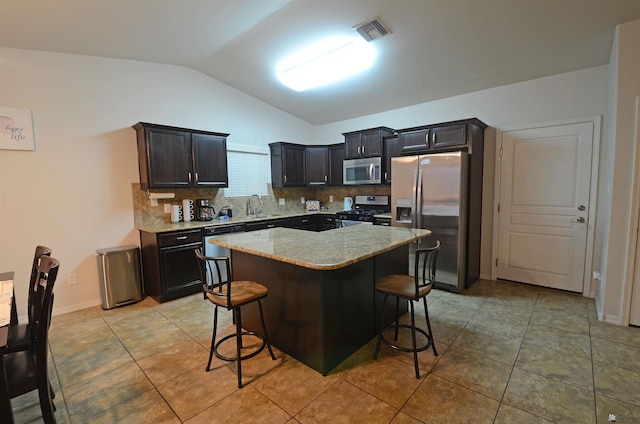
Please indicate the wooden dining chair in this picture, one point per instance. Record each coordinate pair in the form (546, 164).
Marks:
(27, 370)
(20, 336)
(221, 290)
(412, 289)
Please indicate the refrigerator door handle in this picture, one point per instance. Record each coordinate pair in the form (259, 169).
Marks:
(418, 207)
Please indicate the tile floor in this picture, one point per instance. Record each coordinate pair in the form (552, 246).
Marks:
(507, 353)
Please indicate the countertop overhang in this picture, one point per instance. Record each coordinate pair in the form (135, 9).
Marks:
(326, 250)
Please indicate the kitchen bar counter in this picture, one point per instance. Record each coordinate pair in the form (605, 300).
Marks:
(322, 305)
(324, 250)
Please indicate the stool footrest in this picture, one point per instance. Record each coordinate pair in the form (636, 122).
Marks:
(426, 346)
(243, 357)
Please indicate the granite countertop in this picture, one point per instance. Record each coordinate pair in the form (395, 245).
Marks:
(168, 226)
(324, 250)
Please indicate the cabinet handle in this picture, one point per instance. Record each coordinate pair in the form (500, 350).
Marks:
(358, 149)
(181, 238)
(189, 176)
(386, 177)
(325, 179)
(305, 221)
(363, 150)
(196, 174)
(285, 178)
(271, 225)
(433, 138)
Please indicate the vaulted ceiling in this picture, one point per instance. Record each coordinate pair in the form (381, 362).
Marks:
(436, 49)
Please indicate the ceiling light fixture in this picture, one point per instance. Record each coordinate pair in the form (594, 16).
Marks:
(326, 63)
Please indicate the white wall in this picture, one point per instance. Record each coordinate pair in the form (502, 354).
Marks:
(73, 193)
(618, 249)
(577, 94)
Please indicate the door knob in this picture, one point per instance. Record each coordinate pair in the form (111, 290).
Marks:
(579, 220)
(581, 208)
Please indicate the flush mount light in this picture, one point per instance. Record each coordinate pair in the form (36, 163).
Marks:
(325, 63)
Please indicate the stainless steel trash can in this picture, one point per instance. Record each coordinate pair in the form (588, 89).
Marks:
(120, 276)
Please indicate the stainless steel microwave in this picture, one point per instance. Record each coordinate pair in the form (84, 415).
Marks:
(362, 171)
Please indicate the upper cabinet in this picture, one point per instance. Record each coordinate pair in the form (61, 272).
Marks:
(336, 156)
(392, 148)
(287, 164)
(440, 137)
(365, 143)
(317, 165)
(171, 157)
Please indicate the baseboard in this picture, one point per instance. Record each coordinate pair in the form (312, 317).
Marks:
(77, 307)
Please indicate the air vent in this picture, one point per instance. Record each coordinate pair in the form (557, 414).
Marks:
(372, 30)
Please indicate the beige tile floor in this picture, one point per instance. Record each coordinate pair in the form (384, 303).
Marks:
(508, 353)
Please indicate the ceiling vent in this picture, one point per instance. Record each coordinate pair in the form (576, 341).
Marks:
(372, 30)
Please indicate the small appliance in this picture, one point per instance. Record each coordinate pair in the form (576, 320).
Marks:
(348, 204)
(204, 210)
(362, 171)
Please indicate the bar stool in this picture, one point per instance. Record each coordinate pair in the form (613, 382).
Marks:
(221, 290)
(412, 289)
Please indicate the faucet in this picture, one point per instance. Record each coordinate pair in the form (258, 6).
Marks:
(252, 210)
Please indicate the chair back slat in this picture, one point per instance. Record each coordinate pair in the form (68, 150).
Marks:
(215, 274)
(425, 266)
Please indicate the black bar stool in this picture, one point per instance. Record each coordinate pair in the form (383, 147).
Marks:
(221, 290)
(412, 289)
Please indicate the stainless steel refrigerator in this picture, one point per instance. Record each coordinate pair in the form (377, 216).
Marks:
(431, 191)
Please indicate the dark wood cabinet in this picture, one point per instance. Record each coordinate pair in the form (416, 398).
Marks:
(269, 223)
(365, 143)
(442, 137)
(170, 264)
(317, 165)
(316, 222)
(392, 148)
(336, 156)
(171, 157)
(210, 160)
(287, 164)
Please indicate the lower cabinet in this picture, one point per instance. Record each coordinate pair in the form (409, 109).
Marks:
(170, 265)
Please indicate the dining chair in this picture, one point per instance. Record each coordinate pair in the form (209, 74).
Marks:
(20, 336)
(410, 288)
(27, 370)
(221, 290)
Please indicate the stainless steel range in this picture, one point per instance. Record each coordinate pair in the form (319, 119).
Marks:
(365, 208)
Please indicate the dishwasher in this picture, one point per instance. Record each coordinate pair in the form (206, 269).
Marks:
(215, 250)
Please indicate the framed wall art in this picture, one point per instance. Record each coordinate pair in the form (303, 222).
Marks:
(16, 129)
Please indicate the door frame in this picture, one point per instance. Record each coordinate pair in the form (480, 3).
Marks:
(593, 191)
(629, 285)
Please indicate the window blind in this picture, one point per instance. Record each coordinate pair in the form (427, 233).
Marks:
(248, 173)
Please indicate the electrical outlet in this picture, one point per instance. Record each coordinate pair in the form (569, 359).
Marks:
(331, 198)
(72, 279)
(281, 201)
(597, 275)
(167, 208)
(302, 200)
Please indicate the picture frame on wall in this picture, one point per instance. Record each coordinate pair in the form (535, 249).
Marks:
(16, 129)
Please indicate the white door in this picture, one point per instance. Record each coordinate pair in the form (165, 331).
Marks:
(544, 205)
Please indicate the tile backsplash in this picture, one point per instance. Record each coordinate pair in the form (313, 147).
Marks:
(144, 213)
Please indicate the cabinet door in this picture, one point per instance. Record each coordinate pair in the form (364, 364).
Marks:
(352, 144)
(449, 136)
(317, 164)
(392, 148)
(210, 160)
(293, 166)
(336, 156)
(371, 144)
(414, 140)
(168, 158)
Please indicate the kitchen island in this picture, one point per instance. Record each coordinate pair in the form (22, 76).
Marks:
(322, 305)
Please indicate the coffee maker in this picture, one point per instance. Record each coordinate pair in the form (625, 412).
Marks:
(204, 210)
